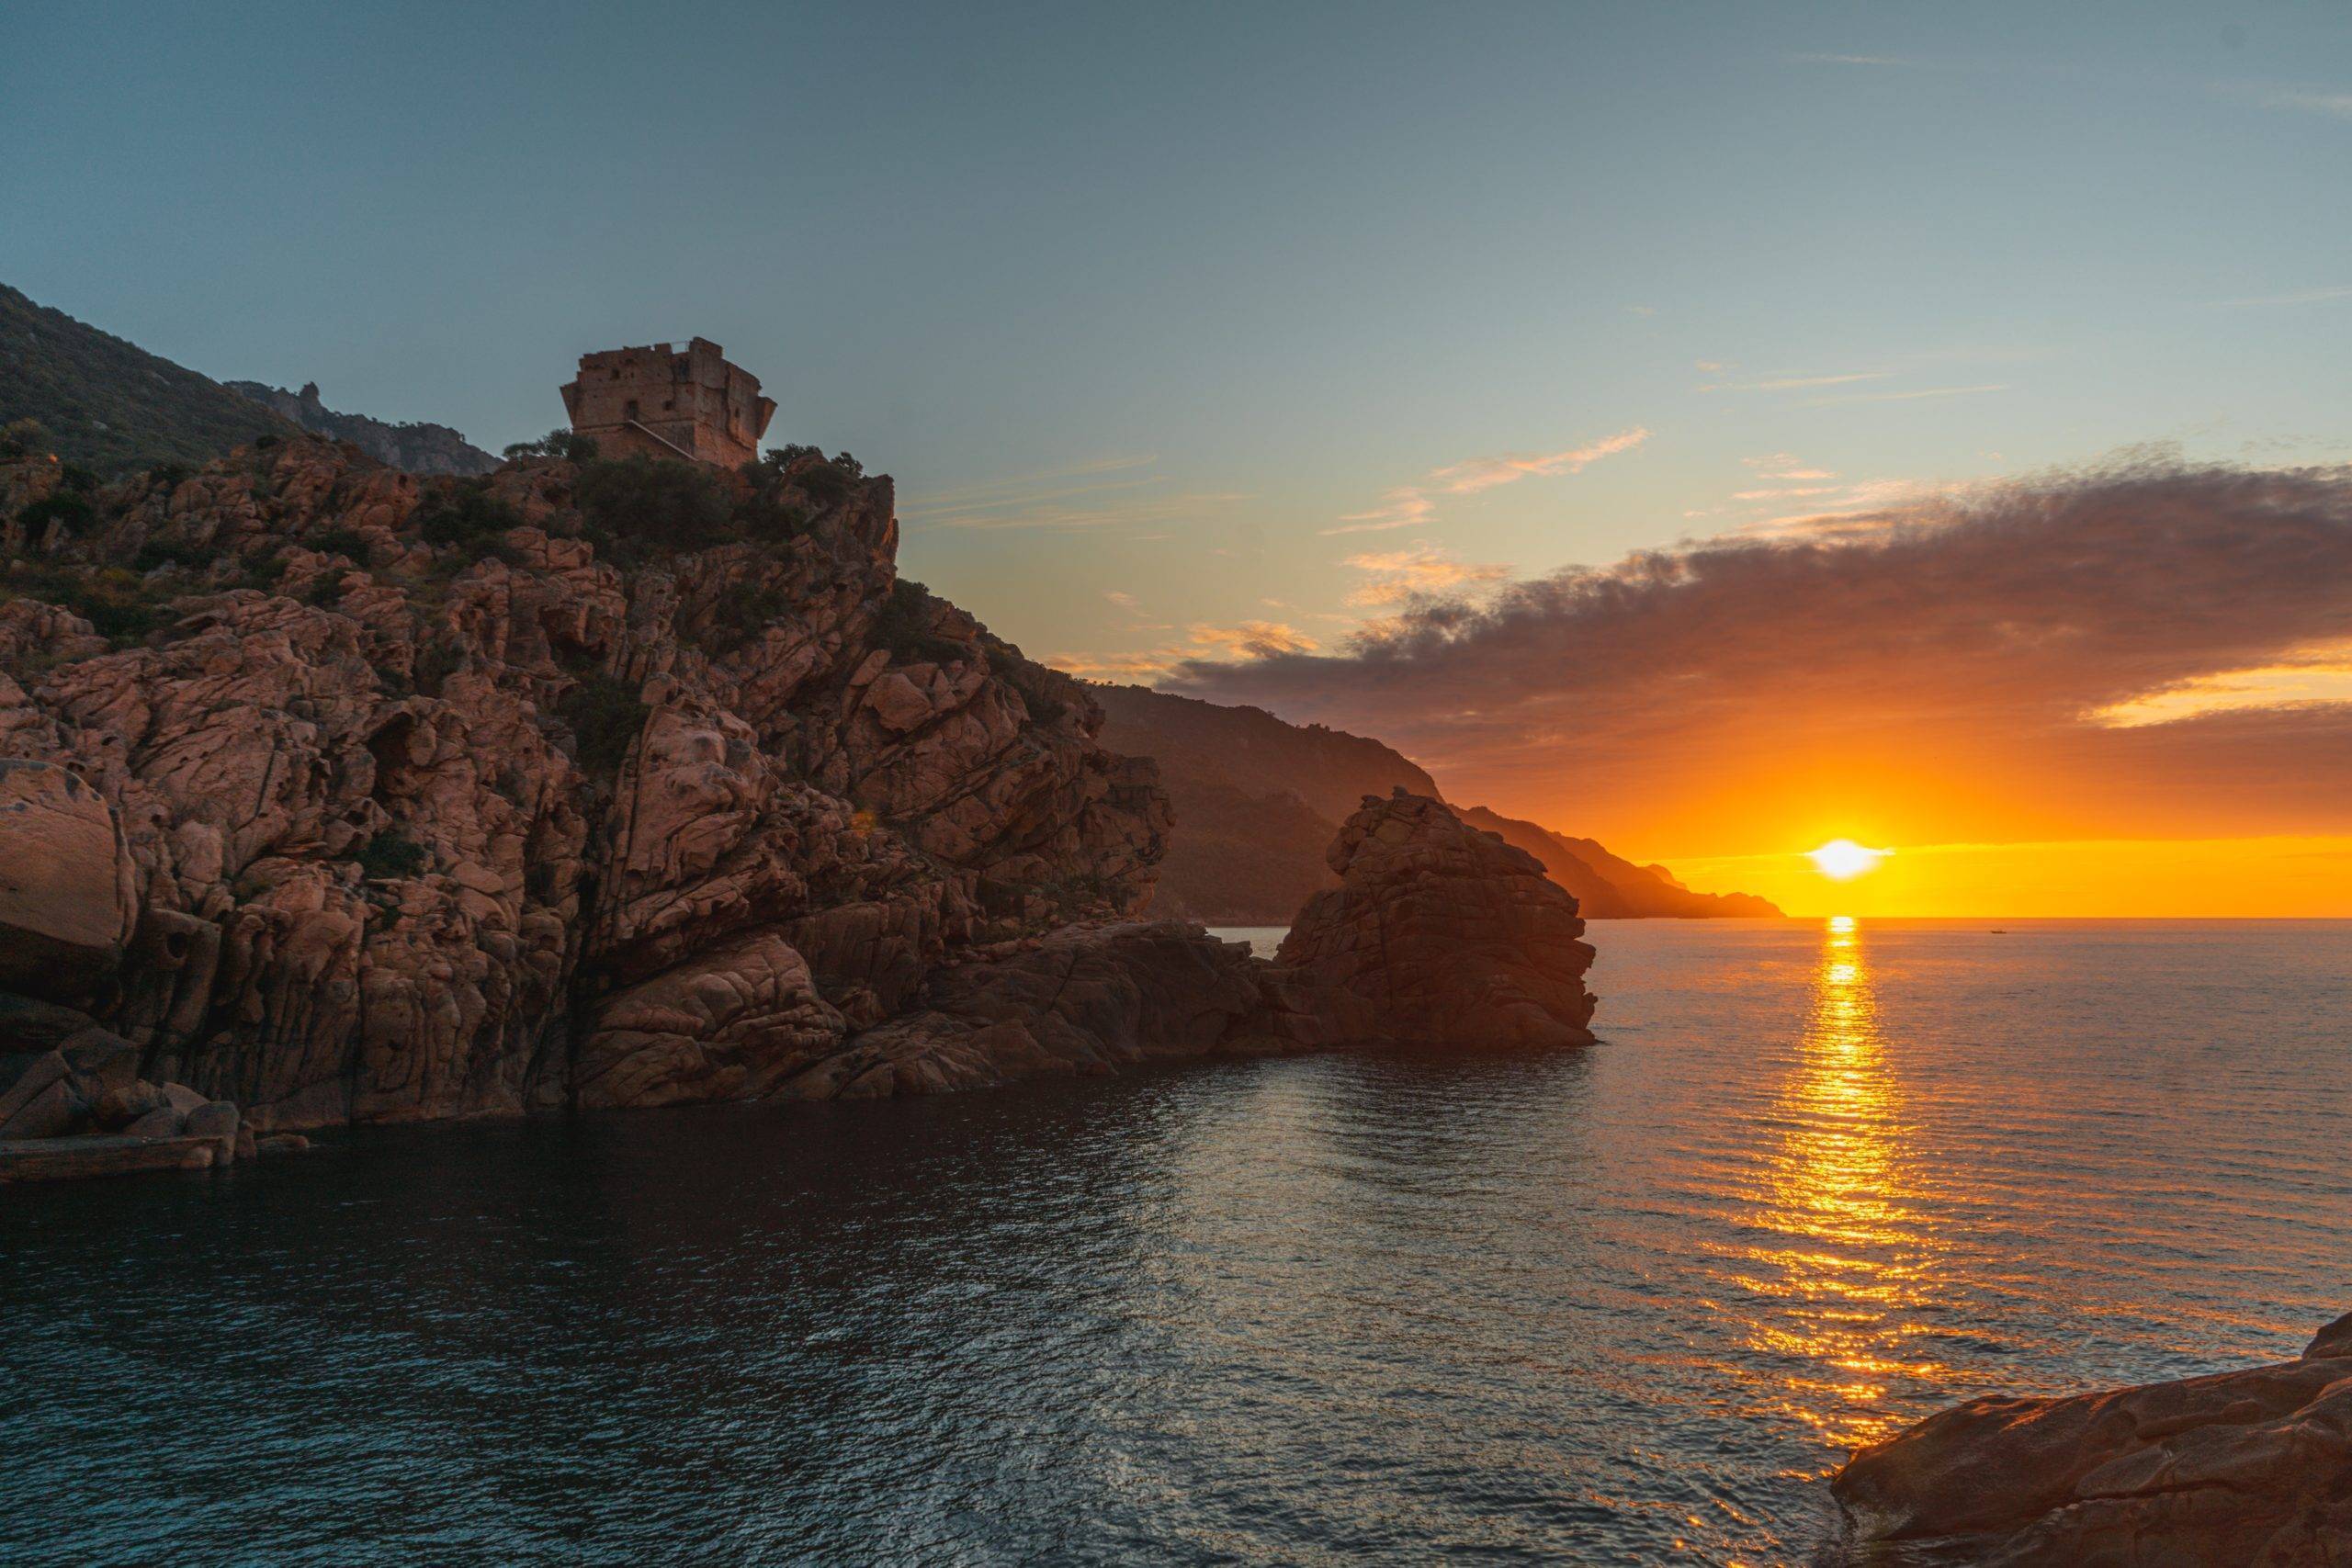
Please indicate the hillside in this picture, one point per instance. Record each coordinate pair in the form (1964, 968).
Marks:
(1256, 800)
(1609, 886)
(415, 448)
(109, 405)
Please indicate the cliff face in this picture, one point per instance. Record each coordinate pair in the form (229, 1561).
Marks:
(413, 449)
(597, 787)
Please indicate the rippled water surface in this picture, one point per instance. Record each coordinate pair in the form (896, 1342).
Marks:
(1628, 1304)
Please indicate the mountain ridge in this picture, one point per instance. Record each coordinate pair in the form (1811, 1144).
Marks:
(1255, 798)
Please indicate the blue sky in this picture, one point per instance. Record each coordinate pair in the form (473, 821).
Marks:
(1193, 328)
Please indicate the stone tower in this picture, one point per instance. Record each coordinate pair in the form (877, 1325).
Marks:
(691, 405)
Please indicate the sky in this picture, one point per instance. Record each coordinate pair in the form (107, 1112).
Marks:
(1707, 428)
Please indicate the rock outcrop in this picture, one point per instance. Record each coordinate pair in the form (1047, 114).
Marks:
(638, 783)
(340, 797)
(2245, 1467)
(412, 446)
(1439, 934)
(68, 899)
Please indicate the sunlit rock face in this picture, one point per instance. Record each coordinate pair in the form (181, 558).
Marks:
(1438, 934)
(452, 797)
(2246, 1467)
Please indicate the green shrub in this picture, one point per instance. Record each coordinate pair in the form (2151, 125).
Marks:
(742, 612)
(904, 626)
(157, 553)
(264, 572)
(347, 542)
(557, 443)
(118, 604)
(467, 514)
(650, 500)
(436, 662)
(605, 717)
(24, 438)
(65, 508)
(391, 853)
(168, 477)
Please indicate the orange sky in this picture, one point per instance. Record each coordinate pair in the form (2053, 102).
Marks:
(2208, 878)
(2124, 691)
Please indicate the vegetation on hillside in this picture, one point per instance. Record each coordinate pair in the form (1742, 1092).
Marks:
(110, 405)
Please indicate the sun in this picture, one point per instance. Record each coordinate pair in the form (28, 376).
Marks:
(1843, 859)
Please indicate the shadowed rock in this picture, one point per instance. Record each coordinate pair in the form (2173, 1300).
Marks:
(1438, 934)
(2245, 1467)
(68, 898)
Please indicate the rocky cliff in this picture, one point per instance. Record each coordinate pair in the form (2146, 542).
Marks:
(617, 786)
(630, 783)
(2244, 1467)
(414, 447)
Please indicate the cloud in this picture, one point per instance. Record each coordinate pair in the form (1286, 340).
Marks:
(1101, 493)
(2299, 297)
(1404, 507)
(1399, 576)
(1257, 640)
(1486, 473)
(1205, 644)
(1793, 383)
(1398, 509)
(1786, 466)
(1908, 397)
(1955, 665)
(1123, 601)
(2334, 105)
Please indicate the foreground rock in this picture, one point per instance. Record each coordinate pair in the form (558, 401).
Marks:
(2238, 1468)
(1438, 934)
(68, 899)
(1085, 1001)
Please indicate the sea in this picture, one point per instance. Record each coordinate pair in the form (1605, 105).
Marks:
(1631, 1304)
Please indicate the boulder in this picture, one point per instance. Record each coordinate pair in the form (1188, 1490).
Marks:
(2242, 1466)
(27, 1023)
(101, 1060)
(23, 1076)
(1438, 934)
(120, 1107)
(51, 1113)
(65, 1159)
(161, 1123)
(68, 889)
(216, 1120)
(1085, 1000)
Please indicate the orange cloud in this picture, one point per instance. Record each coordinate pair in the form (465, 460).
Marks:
(1945, 668)
(1404, 507)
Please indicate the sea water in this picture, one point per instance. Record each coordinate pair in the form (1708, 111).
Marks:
(1629, 1303)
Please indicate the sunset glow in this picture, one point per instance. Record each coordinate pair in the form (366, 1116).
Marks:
(1843, 859)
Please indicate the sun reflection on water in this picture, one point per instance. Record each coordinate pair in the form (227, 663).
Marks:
(1838, 1287)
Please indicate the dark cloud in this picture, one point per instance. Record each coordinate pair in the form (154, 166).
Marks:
(1951, 654)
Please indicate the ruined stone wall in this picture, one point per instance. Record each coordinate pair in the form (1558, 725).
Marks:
(693, 404)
